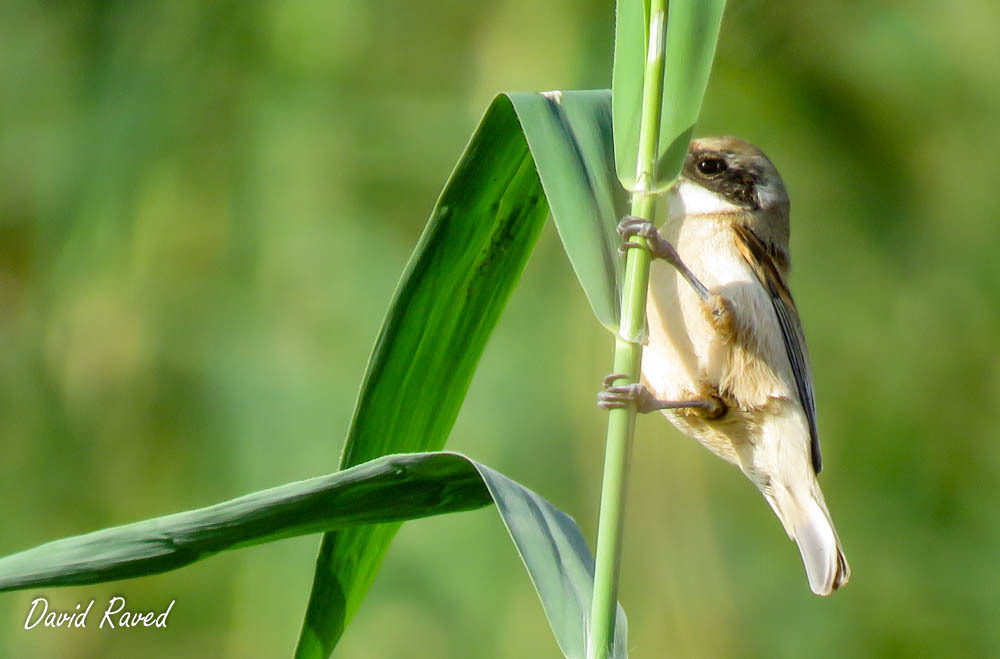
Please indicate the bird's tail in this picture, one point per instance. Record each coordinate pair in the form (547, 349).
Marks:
(807, 521)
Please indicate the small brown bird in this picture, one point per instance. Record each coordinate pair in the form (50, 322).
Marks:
(726, 360)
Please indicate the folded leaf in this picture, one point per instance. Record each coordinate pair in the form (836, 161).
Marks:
(570, 137)
(389, 489)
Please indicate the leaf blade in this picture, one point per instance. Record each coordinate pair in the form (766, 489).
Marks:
(558, 561)
(570, 136)
(631, 37)
(461, 273)
(692, 32)
(391, 488)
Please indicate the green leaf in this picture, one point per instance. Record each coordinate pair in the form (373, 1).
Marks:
(631, 36)
(389, 489)
(692, 31)
(558, 560)
(461, 273)
(452, 292)
(570, 137)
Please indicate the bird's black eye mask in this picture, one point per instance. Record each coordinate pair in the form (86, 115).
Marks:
(718, 172)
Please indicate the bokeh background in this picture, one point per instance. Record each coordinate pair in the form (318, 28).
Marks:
(204, 208)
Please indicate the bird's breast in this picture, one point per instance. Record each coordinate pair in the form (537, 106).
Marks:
(686, 355)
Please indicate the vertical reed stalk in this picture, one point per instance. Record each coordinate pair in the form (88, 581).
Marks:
(628, 353)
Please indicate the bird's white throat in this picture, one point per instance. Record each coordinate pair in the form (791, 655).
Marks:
(691, 199)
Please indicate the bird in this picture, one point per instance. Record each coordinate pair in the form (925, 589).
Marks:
(725, 357)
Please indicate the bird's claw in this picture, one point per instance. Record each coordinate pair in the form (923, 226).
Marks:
(658, 247)
(622, 395)
(610, 379)
(623, 250)
(719, 312)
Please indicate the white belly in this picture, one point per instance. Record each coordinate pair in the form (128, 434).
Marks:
(686, 358)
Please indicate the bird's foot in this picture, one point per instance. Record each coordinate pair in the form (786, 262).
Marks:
(711, 407)
(718, 311)
(658, 246)
(622, 395)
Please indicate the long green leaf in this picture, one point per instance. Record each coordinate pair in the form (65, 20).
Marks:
(462, 271)
(570, 137)
(692, 33)
(631, 37)
(393, 488)
(458, 280)
(389, 489)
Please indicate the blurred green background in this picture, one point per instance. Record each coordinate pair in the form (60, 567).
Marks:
(204, 208)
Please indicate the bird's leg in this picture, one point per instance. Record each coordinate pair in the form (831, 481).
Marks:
(717, 308)
(615, 396)
(659, 248)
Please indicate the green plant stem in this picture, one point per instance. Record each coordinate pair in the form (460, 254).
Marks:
(628, 355)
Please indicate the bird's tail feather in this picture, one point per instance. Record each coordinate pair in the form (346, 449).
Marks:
(807, 521)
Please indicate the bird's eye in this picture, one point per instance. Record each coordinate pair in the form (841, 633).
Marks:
(712, 166)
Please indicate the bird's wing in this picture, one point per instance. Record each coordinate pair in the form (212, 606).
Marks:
(770, 277)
